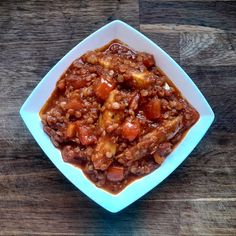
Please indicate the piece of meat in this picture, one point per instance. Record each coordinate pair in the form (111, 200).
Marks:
(130, 130)
(103, 154)
(149, 142)
(113, 110)
(153, 109)
(138, 79)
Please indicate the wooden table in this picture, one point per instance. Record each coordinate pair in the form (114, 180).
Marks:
(199, 198)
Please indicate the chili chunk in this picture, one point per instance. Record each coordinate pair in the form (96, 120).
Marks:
(116, 115)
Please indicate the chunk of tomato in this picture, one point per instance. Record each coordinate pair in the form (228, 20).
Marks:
(130, 130)
(74, 104)
(85, 135)
(153, 109)
(103, 87)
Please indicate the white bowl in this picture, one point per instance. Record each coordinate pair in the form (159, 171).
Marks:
(118, 30)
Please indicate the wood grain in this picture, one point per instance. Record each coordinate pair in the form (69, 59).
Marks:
(216, 14)
(221, 80)
(168, 41)
(212, 49)
(61, 20)
(170, 28)
(199, 198)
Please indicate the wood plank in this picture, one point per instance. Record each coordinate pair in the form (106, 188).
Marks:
(218, 85)
(171, 218)
(198, 1)
(219, 15)
(167, 41)
(174, 28)
(199, 198)
(57, 20)
(212, 49)
(92, 221)
(38, 59)
(208, 218)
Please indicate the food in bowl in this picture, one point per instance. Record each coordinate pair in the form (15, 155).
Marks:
(116, 115)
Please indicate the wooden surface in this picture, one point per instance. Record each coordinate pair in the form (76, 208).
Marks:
(199, 198)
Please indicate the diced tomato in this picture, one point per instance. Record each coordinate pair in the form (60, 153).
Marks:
(85, 134)
(153, 109)
(130, 130)
(115, 173)
(74, 104)
(103, 87)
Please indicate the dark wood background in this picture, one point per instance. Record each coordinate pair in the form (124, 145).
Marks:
(199, 198)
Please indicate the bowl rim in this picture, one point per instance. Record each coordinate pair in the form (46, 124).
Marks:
(111, 205)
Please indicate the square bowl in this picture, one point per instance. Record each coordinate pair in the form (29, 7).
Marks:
(122, 31)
